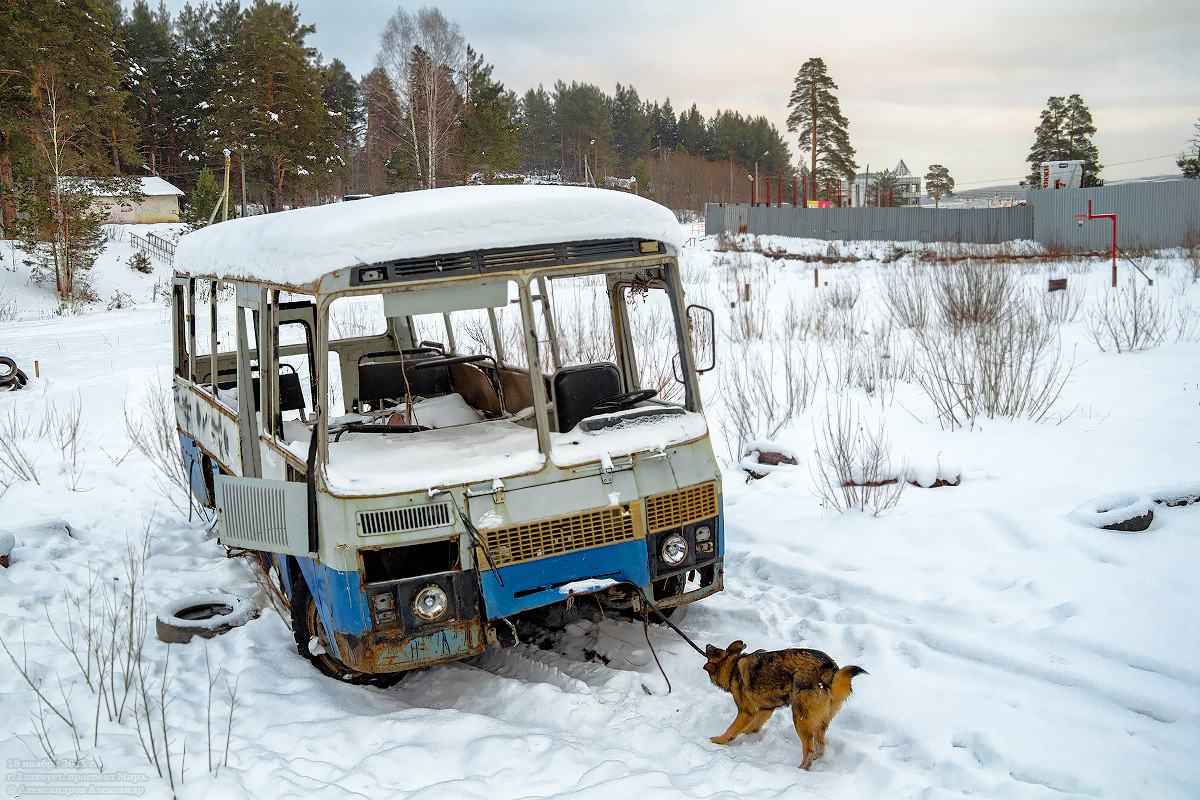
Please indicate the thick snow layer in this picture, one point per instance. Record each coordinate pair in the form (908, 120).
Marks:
(1012, 652)
(637, 434)
(298, 247)
(376, 463)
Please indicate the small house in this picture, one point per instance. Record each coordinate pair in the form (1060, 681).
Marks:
(159, 203)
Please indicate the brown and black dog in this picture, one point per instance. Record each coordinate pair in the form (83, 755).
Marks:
(807, 680)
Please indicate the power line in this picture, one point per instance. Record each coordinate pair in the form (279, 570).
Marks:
(1103, 166)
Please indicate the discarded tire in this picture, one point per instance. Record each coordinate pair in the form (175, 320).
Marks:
(1131, 512)
(203, 615)
(10, 376)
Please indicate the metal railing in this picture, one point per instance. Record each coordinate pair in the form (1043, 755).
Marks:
(153, 245)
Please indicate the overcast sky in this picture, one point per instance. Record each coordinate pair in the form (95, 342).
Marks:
(956, 83)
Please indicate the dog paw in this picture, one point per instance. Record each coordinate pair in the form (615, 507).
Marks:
(718, 740)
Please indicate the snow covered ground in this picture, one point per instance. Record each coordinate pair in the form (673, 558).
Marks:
(1012, 652)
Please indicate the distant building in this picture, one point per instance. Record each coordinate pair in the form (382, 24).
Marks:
(861, 190)
(160, 203)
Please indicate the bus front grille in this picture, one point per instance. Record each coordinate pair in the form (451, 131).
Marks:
(399, 520)
(677, 508)
(529, 541)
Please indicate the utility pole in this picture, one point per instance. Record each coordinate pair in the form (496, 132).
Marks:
(242, 161)
(225, 196)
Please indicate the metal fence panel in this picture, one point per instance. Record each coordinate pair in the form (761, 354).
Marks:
(982, 226)
(1161, 214)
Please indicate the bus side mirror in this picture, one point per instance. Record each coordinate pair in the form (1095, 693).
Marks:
(703, 330)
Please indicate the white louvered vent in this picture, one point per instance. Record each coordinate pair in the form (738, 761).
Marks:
(399, 520)
(255, 514)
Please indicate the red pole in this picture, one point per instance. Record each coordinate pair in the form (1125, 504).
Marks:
(768, 191)
(1113, 217)
(753, 199)
(794, 181)
(779, 191)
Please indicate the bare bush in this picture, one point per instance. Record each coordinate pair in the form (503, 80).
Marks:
(844, 292)
(1010, 366)
(853, 468)
(17, 464)
(907, 294)
(151, 429)
(1128, 318)
(65, 429)
(747, 289)
(1064, 305)
(8, 307)
(974, 291)
(763, 393)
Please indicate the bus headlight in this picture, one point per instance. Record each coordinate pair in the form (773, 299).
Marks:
(674, 550)
(430, 603)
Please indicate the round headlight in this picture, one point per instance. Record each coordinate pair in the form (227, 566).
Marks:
(430, 603)
(674, 550)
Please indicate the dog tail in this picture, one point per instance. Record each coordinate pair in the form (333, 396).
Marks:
(840, 685)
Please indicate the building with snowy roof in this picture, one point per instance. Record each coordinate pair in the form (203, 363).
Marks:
(159, 202)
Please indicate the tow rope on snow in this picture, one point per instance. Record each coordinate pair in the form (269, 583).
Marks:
(670, 624)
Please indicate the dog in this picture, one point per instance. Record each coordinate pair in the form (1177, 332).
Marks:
(760, 682)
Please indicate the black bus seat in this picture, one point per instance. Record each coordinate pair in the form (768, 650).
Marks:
(577, 389)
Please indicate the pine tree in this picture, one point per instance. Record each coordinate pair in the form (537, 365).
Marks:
(633, 128)
(269, 104)
(887, 186)
(693, 132)
(148, 51)
(1190, 164)
(490, 134)
(666, 127)
(1065, 134)
(585, 134)
(538, 140)
(817, 116)
(938, 183)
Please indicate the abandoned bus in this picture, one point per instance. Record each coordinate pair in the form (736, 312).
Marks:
(433, 410)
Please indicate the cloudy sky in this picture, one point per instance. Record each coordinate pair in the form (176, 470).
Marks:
(932, 81)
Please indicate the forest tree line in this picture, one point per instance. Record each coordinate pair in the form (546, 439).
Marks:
(137, 91)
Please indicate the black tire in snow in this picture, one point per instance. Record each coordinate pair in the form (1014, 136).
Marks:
(312, 643)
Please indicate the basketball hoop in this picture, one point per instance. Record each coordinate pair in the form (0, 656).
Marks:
(1081, 218)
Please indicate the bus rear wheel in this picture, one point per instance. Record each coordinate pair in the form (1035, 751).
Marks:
(313, 644)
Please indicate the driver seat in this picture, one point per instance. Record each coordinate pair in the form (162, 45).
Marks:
(576, 389)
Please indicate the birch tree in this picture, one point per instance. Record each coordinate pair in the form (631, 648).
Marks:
(423, 56)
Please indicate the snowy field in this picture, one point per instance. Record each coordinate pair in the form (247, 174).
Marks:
(1013, 651)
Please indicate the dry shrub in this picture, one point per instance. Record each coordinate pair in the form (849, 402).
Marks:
(1128, 318)
(1008, 365)
(974, 291)
(1064, 305)
(844, 292)
(151, 429)
(907, 294)
(853, 468)
(747, 289)
(763, 389)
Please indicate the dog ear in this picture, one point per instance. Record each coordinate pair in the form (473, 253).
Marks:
(710, 666)
(710, 651)
(737, 646)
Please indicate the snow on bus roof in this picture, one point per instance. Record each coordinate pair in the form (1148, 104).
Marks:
(298, 247)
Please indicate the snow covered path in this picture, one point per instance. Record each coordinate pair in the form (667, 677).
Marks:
(1012, 653)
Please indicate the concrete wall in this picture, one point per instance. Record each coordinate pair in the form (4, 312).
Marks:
(152, 208)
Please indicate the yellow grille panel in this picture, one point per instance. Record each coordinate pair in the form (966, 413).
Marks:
(551, 537)
(679, 508)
